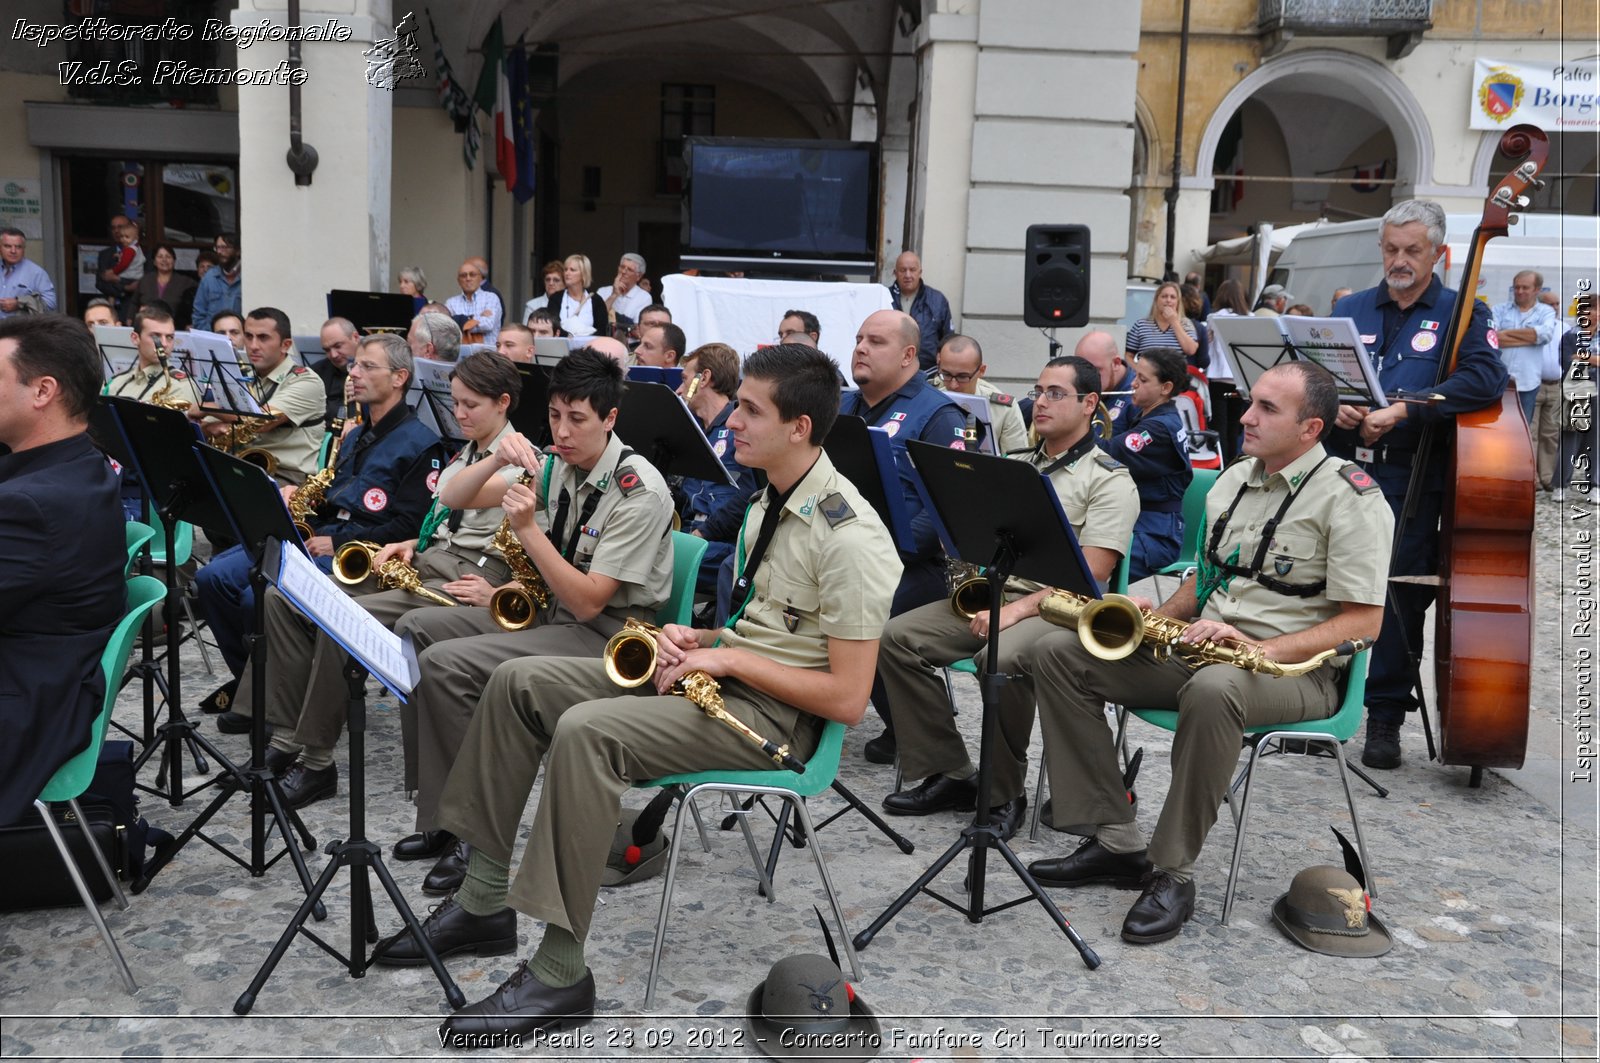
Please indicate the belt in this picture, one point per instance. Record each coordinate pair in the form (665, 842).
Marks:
(476, 560)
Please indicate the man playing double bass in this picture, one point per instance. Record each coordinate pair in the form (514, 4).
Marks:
(1402, 323)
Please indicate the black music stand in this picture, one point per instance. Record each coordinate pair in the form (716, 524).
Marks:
(158, 444)
(532, 415)
(252, 506)
(1005, 511)
(866, 458)
(653, 420)
(303, 585)
(372, 311)
(429, 395)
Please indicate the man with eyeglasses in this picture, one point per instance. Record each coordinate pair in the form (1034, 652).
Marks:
(219, 289)
(961, 370)
(623, 295)
(475, 310)
(1101, 503)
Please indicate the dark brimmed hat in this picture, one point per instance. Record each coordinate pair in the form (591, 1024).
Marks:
(632, 861)
(1329, 910)
(805, 1009)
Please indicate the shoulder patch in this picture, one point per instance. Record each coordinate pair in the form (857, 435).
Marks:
(1002, 398)
(1106, 461)
(299, 370)
(837, 510)
(1359, 479)
(628, 481)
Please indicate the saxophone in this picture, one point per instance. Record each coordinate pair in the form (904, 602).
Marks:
(1113, 627)
(164, 395)
(352, 563)
(514, 608)
(309, 496)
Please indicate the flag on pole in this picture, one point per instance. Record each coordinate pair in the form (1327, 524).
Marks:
(522, 124)
(493, 97)
(454, 99)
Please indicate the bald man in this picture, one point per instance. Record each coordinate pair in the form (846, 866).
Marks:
(927, 306)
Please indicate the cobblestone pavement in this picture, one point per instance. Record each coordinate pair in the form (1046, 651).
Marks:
(1490, 892)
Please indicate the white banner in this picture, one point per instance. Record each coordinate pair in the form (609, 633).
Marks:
(1552, 96)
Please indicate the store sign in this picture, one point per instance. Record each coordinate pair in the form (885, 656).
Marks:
(1552, 96)
(19, 205)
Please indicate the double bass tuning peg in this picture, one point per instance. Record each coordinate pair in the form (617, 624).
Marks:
(1522, 202)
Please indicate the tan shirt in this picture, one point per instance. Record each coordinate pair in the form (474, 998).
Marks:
(1338, 529)
(829, 572)
(628, 534)
(142, 384)
(1098, 496)
(299, 394)
(1011, 432)
(477, 525)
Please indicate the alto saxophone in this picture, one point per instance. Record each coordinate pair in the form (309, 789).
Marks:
(1113, 627)
(352, 563)
(514, 608)
(163, 396)
(309, 496)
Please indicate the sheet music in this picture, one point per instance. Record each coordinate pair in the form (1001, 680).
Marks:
(1255, 344)
(352, 627)
(977, 408)
(435, 406)
(214, 364)
(118, 349)
(1335, 344)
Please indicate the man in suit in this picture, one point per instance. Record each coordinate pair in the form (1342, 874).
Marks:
(61, 553)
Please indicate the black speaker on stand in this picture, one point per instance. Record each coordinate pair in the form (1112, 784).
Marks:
(1056, 276)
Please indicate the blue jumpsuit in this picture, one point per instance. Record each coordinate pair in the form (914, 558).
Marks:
(1155, 449)
(713, 509)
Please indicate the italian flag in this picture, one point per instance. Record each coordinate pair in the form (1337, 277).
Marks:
(494, 96)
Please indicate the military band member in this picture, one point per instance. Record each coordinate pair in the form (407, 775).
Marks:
(961, 370)
(1295, 556)
(454, 556)
(148, 380)
(1101, 503)
(603, 547)
(817, 577)
(711, 510)
(380, 490)
(291, 393)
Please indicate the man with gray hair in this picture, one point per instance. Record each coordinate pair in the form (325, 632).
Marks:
(1403, 321)
(1525, 326)
(623, 295)
(339, 340)
(434, 335)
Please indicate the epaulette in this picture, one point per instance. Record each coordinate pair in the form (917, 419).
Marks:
(628, 481)
(837, 510)
(299, 370)
(1002, 398)
(1106, 461)
(178, 374)
(1358, 478)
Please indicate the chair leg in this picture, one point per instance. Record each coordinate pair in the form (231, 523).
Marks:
(1239, 829)
(804, 817)
(1369, 780)
(756, 859)
(1355, 823)
(99, 857)
(674, 847)
(194, 628)
(88, 898)
(699, 824)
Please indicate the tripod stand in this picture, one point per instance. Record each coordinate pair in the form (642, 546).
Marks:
(1007, 504)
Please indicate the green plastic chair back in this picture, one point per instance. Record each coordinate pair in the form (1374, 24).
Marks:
(182, 540)
(322, 452)
(73, 777)
(138, 535)
(687, 550)
(1194, 514)
(818, 776)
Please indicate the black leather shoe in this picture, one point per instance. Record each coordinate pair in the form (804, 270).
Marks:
(220, 699)
(936, 794)
(423, 846)
(1382, 750)
(1161, 910)
(302, 786)
(232, 723)
(1008, 817)
(451, 870)
(450, 929)
(275, 760)
(880, 750)
(1091, 864)
(522, 1005)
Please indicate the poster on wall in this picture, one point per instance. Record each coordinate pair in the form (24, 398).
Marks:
(1553, 96)
(20, 205)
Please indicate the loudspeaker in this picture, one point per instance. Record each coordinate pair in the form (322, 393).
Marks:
(1056, 275)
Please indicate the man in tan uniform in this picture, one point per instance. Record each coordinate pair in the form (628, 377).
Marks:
(292, 394)
(818, 572)
(1101, 503)
(961, 370)
(153, 329)
(1295, 553)
(606, 557)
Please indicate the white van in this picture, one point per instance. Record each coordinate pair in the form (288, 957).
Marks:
(1561, 248)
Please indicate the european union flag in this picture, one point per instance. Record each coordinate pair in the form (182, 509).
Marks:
(522, 120)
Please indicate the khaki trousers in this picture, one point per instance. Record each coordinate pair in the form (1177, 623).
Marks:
(595, 743)
(914, 647)
(1548, 416)
(1215, 705)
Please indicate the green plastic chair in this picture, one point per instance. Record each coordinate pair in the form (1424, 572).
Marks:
(779, 783)
(687, 550)
(73, 777)
(138, 535)
(1314, 737)
(1194, 515)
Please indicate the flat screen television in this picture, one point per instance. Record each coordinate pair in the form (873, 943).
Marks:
(781, 206)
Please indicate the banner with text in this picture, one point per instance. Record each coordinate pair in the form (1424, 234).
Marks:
(1552, 96)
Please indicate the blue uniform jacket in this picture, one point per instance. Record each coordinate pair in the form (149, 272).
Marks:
(931, 312)
(916, 411)
(384, 480)
(715, 510)
(1406, 346)
(1153, 446)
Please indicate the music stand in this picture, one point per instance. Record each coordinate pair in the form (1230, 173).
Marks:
(370, 648)
(654, 421)
(372, 311)
(548, 350)
(866, 458)
(119, 350)
(251, 505)
(1006, 512)
(429, 394)
(532, 415)
(670, 375)
(158, 444)
(977, 408)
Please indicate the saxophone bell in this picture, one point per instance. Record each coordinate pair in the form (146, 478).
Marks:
(512, 608)
(352, 562)
(630, 655)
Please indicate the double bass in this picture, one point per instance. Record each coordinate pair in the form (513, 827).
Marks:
(1483, 637)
